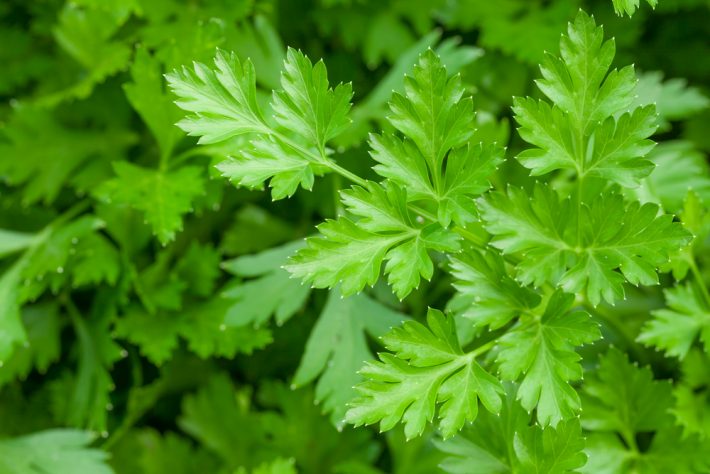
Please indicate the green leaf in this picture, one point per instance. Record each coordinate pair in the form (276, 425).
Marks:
(201, 325)
(621, 397)
(674, 329)
(630, 6)
(59, 451)
(87, 34)
(542, 351)
(207, 335)
(247, 305)
(222, 103)
(154, 105)
(437, 158)
(338, 347)
(13, 331)
(489, 296)
(171, 454)
(427, 368)
(507, 444)
(199, 269)
(692, 395)
(12, 241)
(307, 105)
(84, 400)
(277, 466)
(621, 402)
(673, 98)
(43, 154)
(679, 168)
(351, 252)
(94, 260)
(41, 323)
(582, 252)
(163, 196)
(591, 127)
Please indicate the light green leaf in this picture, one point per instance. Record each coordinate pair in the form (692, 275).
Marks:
(542, 351)
(582, 252)
(222, 103)
(630, 6)
(488, 294)
(505, 443)
(307, 105)
(247, 305)
(591, 128)
(437, 158)
(12, 241)
(674, 98)
(427, 368)
(59, 451)
(338, 347)
(674, 329)
(351, 252)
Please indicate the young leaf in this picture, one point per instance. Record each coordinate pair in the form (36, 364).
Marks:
(427, 368)
(590, 128)
(338, 347)
(308, 113)
(436, 159)
(351, 252)
(542, 351)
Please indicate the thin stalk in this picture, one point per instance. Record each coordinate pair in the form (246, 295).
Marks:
(699, 278)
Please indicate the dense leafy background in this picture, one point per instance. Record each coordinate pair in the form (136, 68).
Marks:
(147, 324)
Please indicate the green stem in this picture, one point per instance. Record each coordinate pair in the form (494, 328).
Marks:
(699, 277)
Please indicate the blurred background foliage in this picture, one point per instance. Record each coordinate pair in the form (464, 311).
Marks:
(142, 303)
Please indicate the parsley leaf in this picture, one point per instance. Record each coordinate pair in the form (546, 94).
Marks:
(622, 401)
(60, 451)
(338, 346)
(163, 196)
(506, 443)
(351, 252)
(543, 350)
(674, 329)
(427, 368)
(582, 252)
(488, 294)
(437, 158)
(590, 128)
(222, 103)
(247, 304)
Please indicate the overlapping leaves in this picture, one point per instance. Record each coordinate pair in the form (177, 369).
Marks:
(593, 251)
